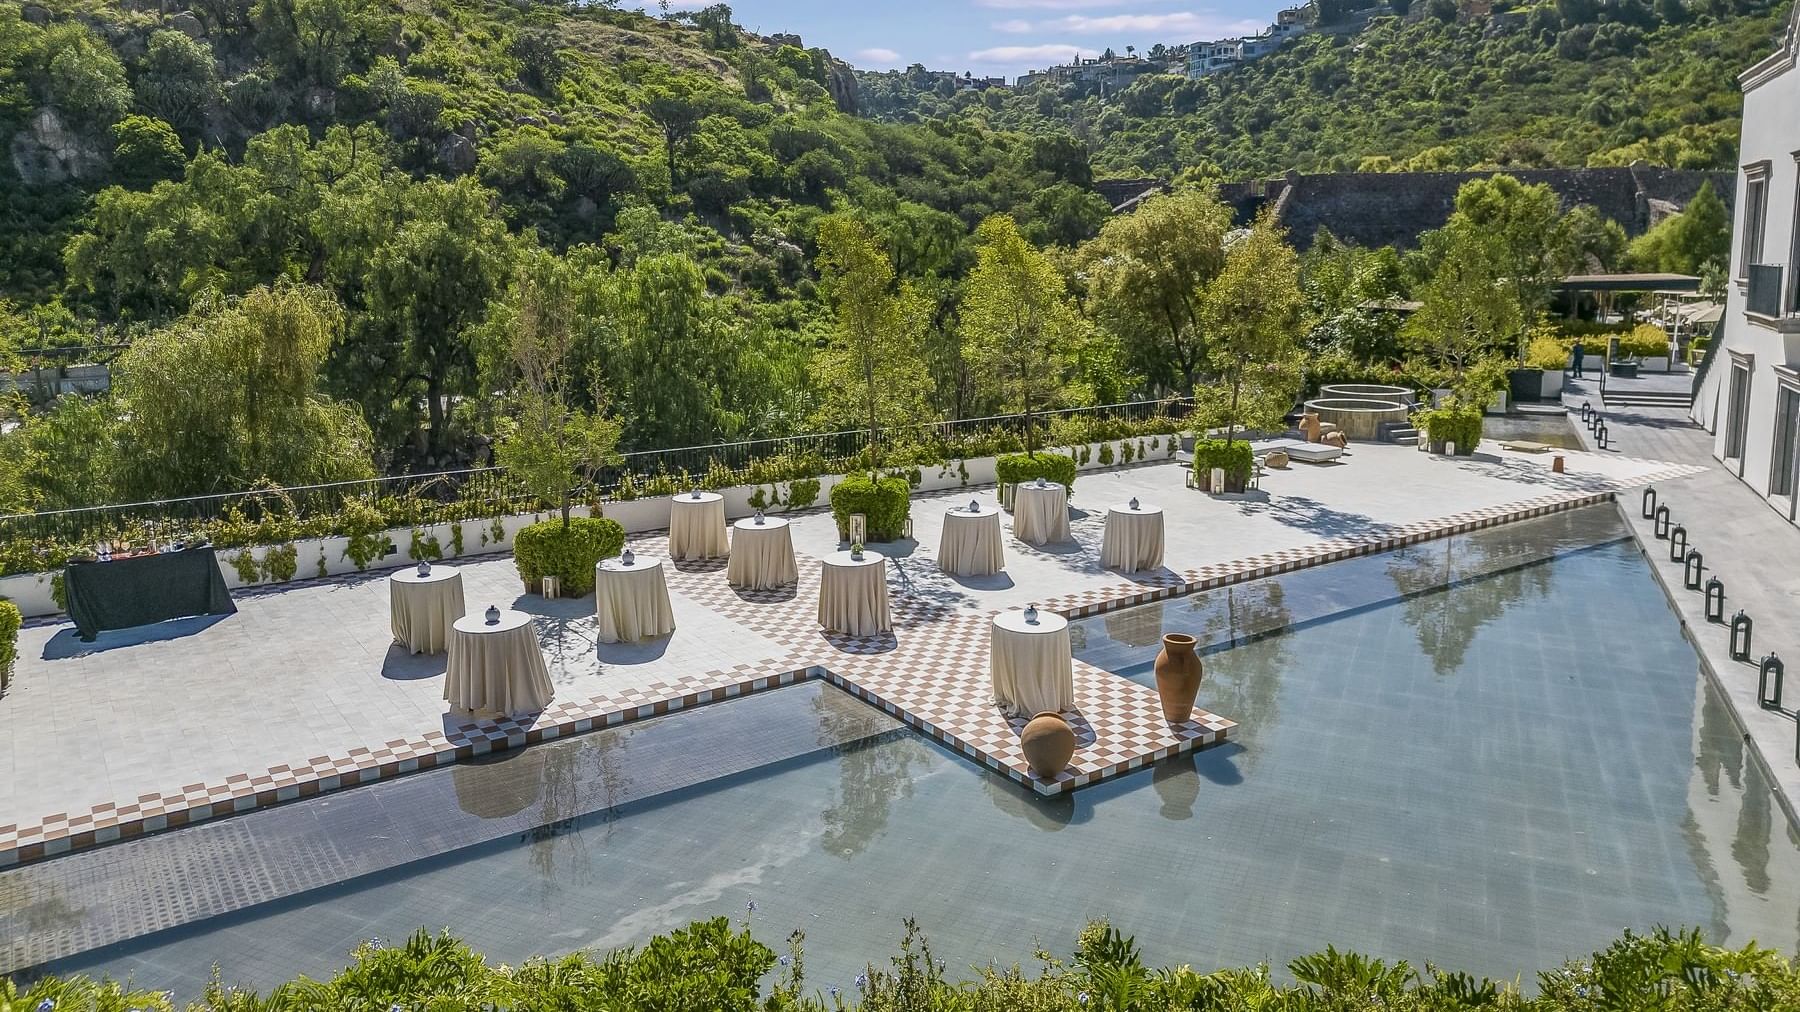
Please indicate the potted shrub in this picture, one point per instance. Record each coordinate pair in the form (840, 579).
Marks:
(1017, 468)
(1235, 456)
(1456, 423)
(1550, 359)
(885, 502)
(568, 550)
(10, 621)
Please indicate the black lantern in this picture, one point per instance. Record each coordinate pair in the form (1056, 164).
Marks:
(1587, 408)
(1740, 636)
(1593, 420)
(1692, 568)
(1677, 543)
(1662, 521)
(1715, 600)
(1600, 436)
(1771, 665)
(1649, 503)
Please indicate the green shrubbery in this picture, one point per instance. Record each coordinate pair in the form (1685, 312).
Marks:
(1646, 340)
(549, 549)
(1236, 458)
(10, 620)
(1020, 468)
(708, 966)
(1451, 423)
(886, 502)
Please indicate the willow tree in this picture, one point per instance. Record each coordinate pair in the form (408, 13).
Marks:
(1022, 333)
(873, 367)
(1254, 313)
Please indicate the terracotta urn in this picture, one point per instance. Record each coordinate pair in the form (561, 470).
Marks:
(1276, 459)
(1177, 676)
(1048, 743)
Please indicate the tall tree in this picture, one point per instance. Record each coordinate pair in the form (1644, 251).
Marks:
(1685, 243)
(1468, 309)
(1254, 311)
(1147, 274)
(1022, 331)
(1529, 236)
(873, 365)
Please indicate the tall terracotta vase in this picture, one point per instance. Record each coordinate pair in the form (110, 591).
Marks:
(1048, 743)
(1177, 677)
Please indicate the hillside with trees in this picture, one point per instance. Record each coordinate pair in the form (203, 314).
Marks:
(1432, 88)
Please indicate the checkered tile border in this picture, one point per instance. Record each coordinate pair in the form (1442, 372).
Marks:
(931, 673)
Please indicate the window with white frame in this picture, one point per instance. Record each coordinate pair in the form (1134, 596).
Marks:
(1756, 213)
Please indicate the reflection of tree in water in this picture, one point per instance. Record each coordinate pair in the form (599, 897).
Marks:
(1242, 637)
(1446, 618)
(1721, 746)
(875, 766)
(583, 774)
(1139, 627)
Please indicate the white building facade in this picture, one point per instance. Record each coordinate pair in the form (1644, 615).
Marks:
(1749, 397)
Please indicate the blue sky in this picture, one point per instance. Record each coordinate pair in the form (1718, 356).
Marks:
(992, 36)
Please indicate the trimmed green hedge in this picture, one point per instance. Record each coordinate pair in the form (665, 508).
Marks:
(546, 549)
(10, 620)
(1237, 459)
(886, 502)
(1019, 468)
(1455, 424)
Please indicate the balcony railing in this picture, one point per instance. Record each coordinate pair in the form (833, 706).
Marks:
(1766, 295)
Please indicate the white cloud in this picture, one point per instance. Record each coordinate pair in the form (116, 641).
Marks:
(1016, 26)
(1174, 23)
(1029, 55)
(886, 57)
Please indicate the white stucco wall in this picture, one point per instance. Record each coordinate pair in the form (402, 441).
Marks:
(1771, 135)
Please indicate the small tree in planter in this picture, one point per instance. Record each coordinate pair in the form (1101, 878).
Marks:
(1022, 330)
(884, 502)
(871, 367)
(1253, 312)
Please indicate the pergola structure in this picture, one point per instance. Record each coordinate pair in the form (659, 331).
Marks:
(1605, 286)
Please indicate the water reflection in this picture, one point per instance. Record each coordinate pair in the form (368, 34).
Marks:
(1447, 623)
(1177, 783)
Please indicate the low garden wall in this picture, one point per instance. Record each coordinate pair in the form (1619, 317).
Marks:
(325, 557)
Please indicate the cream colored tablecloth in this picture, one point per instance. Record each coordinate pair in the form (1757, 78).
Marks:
(1040, 515)
(853, 597)
(632, 602)
(496, 670)
(697, 527)
(762, 555)
(1032, 666)
(421, 608)
(970, 544)
(1133, 539)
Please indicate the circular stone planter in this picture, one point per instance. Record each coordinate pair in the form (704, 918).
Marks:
(1358, 418)
(1370, 392)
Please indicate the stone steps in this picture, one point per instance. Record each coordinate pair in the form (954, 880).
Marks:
(1403, 433)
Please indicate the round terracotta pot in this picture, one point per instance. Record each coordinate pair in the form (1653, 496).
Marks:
(1177, 676)
(1048, 743)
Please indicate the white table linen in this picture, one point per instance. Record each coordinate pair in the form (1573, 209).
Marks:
(632, 602)
(853, 595)
(1134, 538)
(1032, 666)
(762, 555)
(1040, 515)
(496, 670)
(697, 527)
(970, 543)
(422, 608)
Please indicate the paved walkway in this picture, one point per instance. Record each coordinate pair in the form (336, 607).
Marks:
(302, 691)
(1746, 544)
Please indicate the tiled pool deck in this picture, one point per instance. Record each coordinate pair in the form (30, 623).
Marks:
(302, 692)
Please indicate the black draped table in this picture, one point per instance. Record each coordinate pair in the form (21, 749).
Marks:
(149, 588)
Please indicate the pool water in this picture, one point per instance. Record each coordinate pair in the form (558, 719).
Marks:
(1491, 752)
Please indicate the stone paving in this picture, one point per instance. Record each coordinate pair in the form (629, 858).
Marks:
(302, 691)
(1743, 541)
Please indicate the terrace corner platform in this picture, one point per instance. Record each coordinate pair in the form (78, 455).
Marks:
(303, 691)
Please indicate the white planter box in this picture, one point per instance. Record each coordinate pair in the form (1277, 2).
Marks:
(1658, 363)
(31, 592)
(1553, 384)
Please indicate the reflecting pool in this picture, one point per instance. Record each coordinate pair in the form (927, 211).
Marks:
(1491, 752)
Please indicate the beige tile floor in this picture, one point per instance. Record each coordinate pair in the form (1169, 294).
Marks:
(309, 669)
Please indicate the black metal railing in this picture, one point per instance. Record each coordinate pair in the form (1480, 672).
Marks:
(491, 491)
(1764, 296)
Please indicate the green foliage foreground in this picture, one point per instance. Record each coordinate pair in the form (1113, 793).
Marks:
(708, 966)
